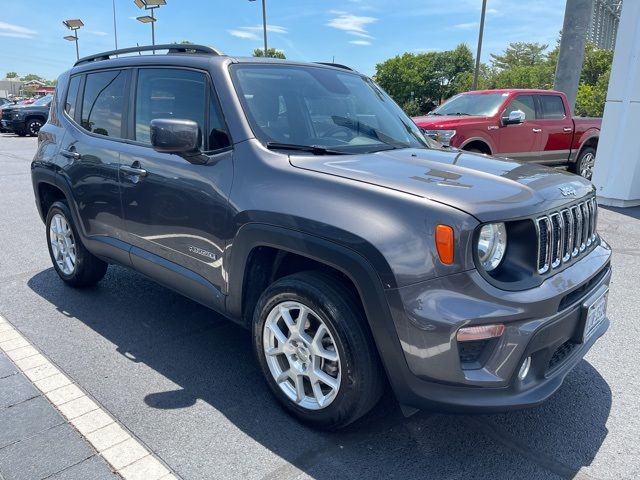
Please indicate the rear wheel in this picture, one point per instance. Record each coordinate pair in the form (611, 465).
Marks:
(315, 350)
(74, 264)
(585, 163)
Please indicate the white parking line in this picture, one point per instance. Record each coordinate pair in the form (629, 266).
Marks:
(126, 455)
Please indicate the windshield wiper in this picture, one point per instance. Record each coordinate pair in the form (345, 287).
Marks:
(433, 113)
(315, 149)
(461, 113)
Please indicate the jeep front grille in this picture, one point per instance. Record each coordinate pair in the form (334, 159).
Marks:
(565, 234)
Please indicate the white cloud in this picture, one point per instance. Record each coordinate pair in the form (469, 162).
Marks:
(97, 33)
(466, 26)
(351, 23)
(360, 34)
(10, 30)
(244, 34)
(360, 42)
(255, 32)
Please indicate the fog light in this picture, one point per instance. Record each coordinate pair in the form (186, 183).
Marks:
(524, 368)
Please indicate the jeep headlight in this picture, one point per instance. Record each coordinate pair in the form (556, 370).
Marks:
(492, 244)
(442, 136)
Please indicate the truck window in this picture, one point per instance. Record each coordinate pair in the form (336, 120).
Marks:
(552, 107)
(524, 103)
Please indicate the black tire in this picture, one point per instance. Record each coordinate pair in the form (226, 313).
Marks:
(330, 299)
(585, 162)
(88, 269)
(474, 150)
(33, 126)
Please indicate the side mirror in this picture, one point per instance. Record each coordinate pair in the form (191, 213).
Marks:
(516, 117)
(170, 135)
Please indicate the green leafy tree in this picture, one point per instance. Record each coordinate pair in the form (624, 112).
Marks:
(12, 75)
(596, 64)
(520, 54)
(32, 76)
(271, 52)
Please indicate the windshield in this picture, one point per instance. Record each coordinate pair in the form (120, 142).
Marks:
(322, 107)
(43, 101)
(481, 104)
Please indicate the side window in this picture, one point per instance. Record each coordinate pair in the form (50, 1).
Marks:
(218, 136)
(552, 107)
(103, 103)
(169, 93)
(524, 103)
(72, 96)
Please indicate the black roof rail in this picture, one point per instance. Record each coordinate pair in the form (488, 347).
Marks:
(182, 48)
(337, 65)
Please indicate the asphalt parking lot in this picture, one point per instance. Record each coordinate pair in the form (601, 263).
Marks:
(184, 381)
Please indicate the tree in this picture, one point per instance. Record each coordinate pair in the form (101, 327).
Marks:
(12, 75)
(271, 52)
(32, 76)
(520, 54)
(596, 64)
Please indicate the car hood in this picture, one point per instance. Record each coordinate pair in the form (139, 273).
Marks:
(447, 121)
(488, 188)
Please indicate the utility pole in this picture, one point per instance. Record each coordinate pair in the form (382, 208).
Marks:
(577, 16)
(476, 72)
(264, 25)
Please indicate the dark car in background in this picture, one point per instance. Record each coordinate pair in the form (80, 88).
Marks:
(298, 200)
(26, 119)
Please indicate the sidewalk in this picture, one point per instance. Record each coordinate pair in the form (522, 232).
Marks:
(36, 442)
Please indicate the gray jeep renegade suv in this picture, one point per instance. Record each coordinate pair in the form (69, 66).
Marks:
(298, 200)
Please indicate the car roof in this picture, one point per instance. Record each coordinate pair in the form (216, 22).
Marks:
(514, 90)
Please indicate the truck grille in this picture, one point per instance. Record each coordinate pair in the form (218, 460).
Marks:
(565, 234)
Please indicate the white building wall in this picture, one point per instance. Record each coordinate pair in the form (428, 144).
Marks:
(617, 169)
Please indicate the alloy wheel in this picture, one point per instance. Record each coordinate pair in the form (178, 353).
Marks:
(34, 127)
(63, 245)
(302, 355)
(586, 166)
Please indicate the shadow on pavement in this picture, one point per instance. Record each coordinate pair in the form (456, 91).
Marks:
(211, 360)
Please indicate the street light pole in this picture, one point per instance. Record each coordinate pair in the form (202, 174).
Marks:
(264, 25)
(477, 69)
(73, 25)
(149, 5)
(153, 29)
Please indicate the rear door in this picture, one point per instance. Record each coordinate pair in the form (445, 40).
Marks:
(519, 141)
(554, 141)
(176, 212)
(91, 147)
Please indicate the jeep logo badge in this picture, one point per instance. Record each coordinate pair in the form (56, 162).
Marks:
(568, 191)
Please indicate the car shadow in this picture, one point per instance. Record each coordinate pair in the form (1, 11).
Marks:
(211, 360)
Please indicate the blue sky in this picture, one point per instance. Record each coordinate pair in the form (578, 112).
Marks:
(359, 33)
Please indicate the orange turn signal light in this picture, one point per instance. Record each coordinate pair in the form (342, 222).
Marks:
(444, 243)
(480, 332)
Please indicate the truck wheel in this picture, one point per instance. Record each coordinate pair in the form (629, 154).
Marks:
(585, 162)
(74, 264)
(315, 350)
(33, 126)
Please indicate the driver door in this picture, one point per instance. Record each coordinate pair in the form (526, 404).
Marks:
(176, 213)
(519, 141)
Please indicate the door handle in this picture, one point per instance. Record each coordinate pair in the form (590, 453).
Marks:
(536, 130)
(73, 155)
(139, 172)
(567, 129)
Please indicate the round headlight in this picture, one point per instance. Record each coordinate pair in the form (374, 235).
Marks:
(492, 243)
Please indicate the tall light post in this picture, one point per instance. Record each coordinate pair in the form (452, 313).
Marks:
(264, 24)
(477, 69)
(149, 5)
(74, 25)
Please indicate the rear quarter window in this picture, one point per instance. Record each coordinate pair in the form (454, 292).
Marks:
(552, 107)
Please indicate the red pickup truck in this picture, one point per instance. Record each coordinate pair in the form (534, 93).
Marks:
(523, 124)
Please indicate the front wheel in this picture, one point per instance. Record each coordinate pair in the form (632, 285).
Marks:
(315, 350)
(585, 163)
(74, 264)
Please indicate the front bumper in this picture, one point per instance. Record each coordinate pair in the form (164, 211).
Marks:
(542, 323)
(13, 125)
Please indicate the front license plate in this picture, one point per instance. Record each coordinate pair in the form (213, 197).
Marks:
(596, 313)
